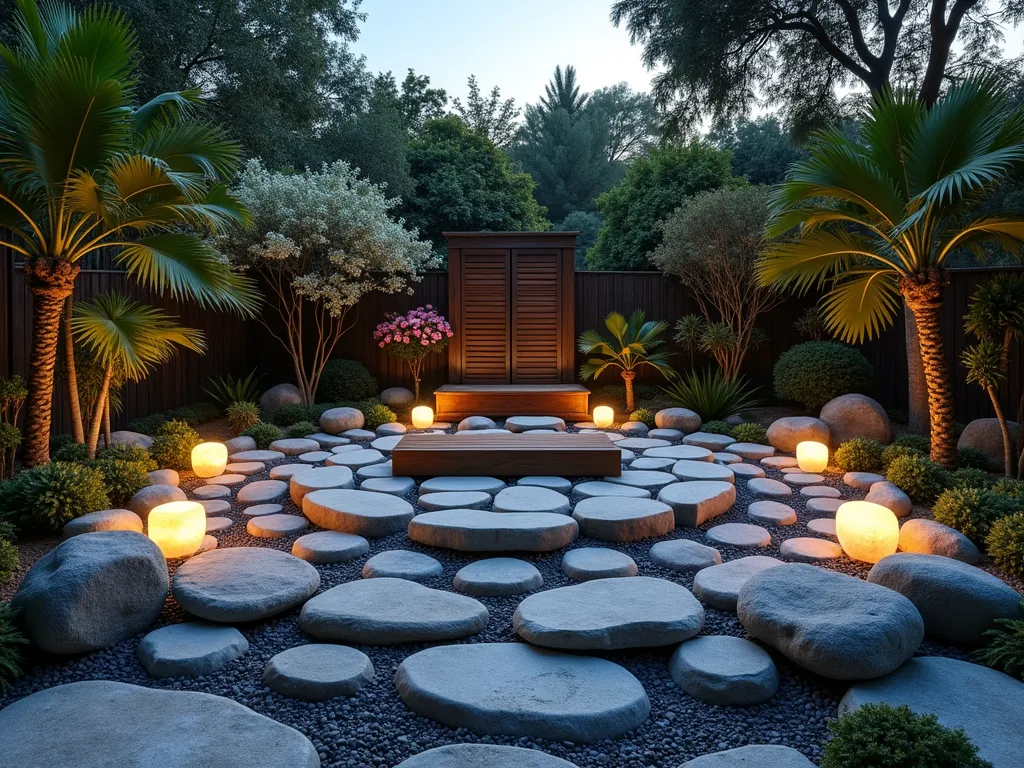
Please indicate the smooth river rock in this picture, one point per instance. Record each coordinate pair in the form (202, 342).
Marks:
(684, 556)
(190, 649)
(614, 519)
(497, 577)
(473, 530)
(588, 563)
(928, 537)
(696, 502)
(720, 669)
(318, 672)
(363, 513)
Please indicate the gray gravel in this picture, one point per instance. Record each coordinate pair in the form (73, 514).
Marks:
(375, 730)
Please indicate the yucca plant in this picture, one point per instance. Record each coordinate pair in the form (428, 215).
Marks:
(878, 215)
(82, 169)
(630, 347)
(711, 395)
(229, 389)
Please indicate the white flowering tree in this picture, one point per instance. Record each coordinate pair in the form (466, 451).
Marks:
(320, 241)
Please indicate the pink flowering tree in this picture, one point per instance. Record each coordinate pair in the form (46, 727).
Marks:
(413, 336)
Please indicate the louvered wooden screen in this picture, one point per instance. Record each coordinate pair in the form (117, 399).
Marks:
(536, 318)
(485, 318)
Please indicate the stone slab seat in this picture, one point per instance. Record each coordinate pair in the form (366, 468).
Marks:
(473, 530)
(513, 689)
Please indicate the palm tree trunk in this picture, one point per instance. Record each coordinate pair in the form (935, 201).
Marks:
(1005, 429)
(50, 282)
(917, 400)
(627, 377)
(97, 413)
(74, 404)
(923, 295)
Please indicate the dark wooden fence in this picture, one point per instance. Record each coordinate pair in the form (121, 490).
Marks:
(236, 346)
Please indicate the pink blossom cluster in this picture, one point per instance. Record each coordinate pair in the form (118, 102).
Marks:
(424, 326)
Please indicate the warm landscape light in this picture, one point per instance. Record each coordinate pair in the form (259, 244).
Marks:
(178, 528)
(811, 456)
(604, 417)
(422, 416)
(867, 532)
(209, 459)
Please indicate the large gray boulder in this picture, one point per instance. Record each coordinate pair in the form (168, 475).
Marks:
(985, 435)
(99, 724)
(856, 416)
(483, 756)
(240, 444)
(834, 625)
(143, 502)
(927, 537)
(92, 591)
(338, 420)
(785, 433)
(957, 601)
(397, 397)
(753, 756)
(103, 520)
(127, 437)
(276, 396)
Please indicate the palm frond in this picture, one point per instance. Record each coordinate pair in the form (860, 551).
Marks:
(816, 259)
(193, 146)
(1007, 232)
(165, 106)
(861, 305)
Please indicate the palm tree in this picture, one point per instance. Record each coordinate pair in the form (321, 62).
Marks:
(81, 170)
(131, 337)
(878, 216)
(563, 92)
(629, 348)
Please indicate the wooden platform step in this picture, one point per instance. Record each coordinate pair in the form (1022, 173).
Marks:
(455, 402)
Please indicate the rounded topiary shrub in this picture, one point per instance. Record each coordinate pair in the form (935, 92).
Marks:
(122, 479)
(919, 443)
(975, 458)
(859, 454)
(883, 736)
(919, 477)
(969, 477)
(972, 511)
(263, 433)
(300, 429)
(1005, 543)
(814, 372)
(750, 432)
(716, 428)
(1011, 489)
(173, 444)
(345, 380)
(133, 453)
(644, 416)
(293, 413)
(376, 414)
(892, 452)
(43, 499)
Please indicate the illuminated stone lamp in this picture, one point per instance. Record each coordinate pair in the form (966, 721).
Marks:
(811, 456)
(209, 459)
(422, 416)
(866, 531)
(178, 528)
(604, 417)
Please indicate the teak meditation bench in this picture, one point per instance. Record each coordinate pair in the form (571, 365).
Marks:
(500, 455)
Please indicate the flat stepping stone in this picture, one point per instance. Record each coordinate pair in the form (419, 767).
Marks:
(402, 564)
(652, 462)
(386, 444)
(740, 535)
(772, 512)
(823, 526)
(191, 649)
(824, 505)
(257, 455)
(596, 488)
(927, 537)
(513, 689)
(243, 584)
(684, 556)
(262, 491)
(262, 509)
(287, 471)
(698, 501)
(470, 530)
(358, 433)
(613, 519)
(719, 586)
(442, 484)
(726, 458)
(754, 756)
(363, 513)
(216, 524)
(626, 456)
(820, 492)
(801, 478)
(805, 549)
(327, 442)
(724, 670)
(648, 479)
(763, 486)
(610, 614)
(550, 482)
(211, 492)
(104, 520)
(498, 577)
(779, 462)
(276, 526)
(862, 481)
(710, 441)
(523, 423)
(231, 479)
(455, 500)
(391, 428)
(483, 756)
(374, 470)
(667, 434)
(328, 547)
(293, 446)
(355, 458)
(752, 451)
(215, 506)
(641, 443)
(84, 725)
(386, 611)
(347, 448)
(747, 471)
(525, 498)
(245, 467)
(319, 479)
(988, 705)
(318, 672)
(396, 486)
(679, 452)
(589, 563)
(315, 457)
(687, 469)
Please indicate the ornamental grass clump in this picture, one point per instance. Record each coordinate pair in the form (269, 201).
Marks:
(711, 396)
(413, 336)
(242, 415)
(859, 454)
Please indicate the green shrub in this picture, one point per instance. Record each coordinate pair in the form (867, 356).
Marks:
(972, 457)
(195, 414)
(1005, 649)
(644, 416)
(173, 444)
(133, 453)
(242, 415)
(1011, 489)
(148, 425)
(969, 477)
(1005, 543)
(917, 442)
(711, 395)
(8, 559)
(11, 641)
(883, 736)
(814, 372)
(345, 380)
(293, 413)
(750, 432)
(859, 454)
(919, 477)
(263, 433)
(972, 511)
(71, 453)
(376, 414)
(892, 452)
(45, 498)
(717, 428)
(300, 429)
(123, 479)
